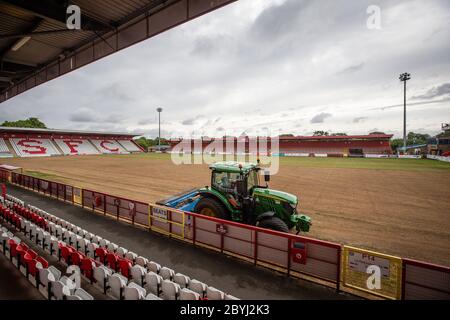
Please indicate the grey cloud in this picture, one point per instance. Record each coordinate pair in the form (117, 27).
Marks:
(351, 69)
(144, 122)
(320, 118)
(188, 122)
(278, 20)
(359, 119)
(84, 116)
(434, 92)
(220, 129)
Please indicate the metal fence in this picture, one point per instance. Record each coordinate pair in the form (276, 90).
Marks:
(297, 256)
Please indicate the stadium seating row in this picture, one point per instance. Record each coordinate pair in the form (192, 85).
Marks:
(115, 270)
(4, 150)
(40, 147)
(23, 257)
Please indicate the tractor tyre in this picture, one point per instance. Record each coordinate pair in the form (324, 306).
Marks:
(273, 223)
(212, 208)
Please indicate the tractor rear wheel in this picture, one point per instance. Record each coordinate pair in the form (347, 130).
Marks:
(273, 223)
(212, 208)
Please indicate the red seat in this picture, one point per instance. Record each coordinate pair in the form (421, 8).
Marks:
(112, 259)
(66, 253)
(101, 254)
(87, 267)
(32, 253)
(12, 248)
(42, 261)
(124, 266)
(76, 258)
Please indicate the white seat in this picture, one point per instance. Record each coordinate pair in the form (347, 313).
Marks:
(186, 294)
(167, 273)
(56, 273)
(170, 290)
(81, 293)
(82, 233)
(59, 290)
(96, 239)
(58, 231)
(153, 283)
(73, 297)
(54, 246)
(198, 286)
(45, 277)
(76, 229)
(63, 223)
(27, 227)
(121, 251)
(117, 283)
(66, 235)
(137, 273)
(101, 275)
(82, 244)
(151, 296)
(142, 261)
(103, 243)
(73, 238)
(230, 297)
(131, 256)
(33, 231)
(214, 294)
(89, 236)
(91, 247)
(22, 224)
(181, 279)
(47, 241)
(112, 247)
(153, 266)
(134, 292)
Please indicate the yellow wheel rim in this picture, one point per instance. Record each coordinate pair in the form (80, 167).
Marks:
(208, 212)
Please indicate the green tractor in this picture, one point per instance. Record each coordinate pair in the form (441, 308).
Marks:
(236, 194)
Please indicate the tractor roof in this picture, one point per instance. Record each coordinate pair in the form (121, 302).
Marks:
(233, 166)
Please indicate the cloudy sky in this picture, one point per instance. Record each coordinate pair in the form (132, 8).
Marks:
(265, 66)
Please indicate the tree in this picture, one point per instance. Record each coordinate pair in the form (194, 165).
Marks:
(146, 143)
(286, 135)
(338, 134)
(411, 139)
(27, 123)
(320, 133)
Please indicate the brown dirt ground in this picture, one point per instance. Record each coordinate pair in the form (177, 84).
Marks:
(404, 213)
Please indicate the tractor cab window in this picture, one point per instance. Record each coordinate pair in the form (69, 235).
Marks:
(252, 180)
(225, 180)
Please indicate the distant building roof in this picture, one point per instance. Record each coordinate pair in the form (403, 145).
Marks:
(413, 146)
(366, 136)
(62, 131)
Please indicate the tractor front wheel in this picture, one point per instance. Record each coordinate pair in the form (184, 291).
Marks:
(212, 208)
(273, 223)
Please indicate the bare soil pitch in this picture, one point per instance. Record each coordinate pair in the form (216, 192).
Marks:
(398, 212)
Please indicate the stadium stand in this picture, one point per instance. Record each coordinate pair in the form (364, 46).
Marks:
(108, 146)
(31, 142)
(129, 145)
(33, 147)
(4, 150)
(116, 271)
(76, 146)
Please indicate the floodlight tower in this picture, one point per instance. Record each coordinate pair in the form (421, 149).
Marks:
(404, 77)
(159, 125)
